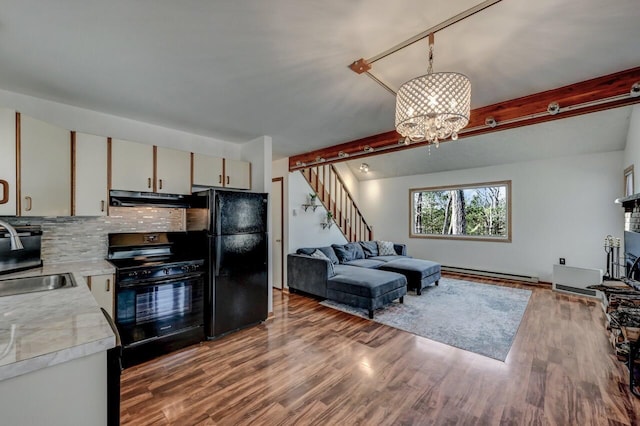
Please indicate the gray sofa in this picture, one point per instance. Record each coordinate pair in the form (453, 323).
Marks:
(357, 275)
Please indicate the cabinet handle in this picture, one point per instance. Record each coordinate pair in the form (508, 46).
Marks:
(219, 178)
(108, 284)
(148, 182)
(227, 180)
(102, 205)
(160, 183)
(29, 203)
(5, 191)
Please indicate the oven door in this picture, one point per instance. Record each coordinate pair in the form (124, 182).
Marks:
(152, 309)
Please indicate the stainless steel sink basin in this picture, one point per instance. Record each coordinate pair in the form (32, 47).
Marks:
(14, 286)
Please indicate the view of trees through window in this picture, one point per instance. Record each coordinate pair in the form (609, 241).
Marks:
(475, 211)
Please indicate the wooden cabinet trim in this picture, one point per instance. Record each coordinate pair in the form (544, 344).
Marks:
(192, 172)
(5, 191)
(155, 169)
(224, 172)
(108, 173)
(73, 173)
(18, 188)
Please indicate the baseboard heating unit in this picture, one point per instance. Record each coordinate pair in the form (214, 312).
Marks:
(572, 280)
(490, 274)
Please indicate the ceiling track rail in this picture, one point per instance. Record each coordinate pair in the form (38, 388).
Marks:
(362, 65)
(441, 26)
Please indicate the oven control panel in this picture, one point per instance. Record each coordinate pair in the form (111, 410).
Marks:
(131, 276)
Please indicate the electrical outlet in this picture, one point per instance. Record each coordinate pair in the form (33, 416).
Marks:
(562, 261)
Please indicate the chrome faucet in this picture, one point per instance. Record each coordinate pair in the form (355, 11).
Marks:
(16, 243)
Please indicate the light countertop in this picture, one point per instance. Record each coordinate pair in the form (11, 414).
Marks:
(46, 328)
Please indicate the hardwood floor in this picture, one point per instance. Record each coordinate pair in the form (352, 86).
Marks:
(315, 365)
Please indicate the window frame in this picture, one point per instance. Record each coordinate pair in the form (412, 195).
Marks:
(507, 239)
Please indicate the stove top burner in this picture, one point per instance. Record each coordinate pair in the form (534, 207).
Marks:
(128, 275)
(141, 257)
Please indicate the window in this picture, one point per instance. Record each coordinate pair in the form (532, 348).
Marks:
(628, 181)
(478, 211)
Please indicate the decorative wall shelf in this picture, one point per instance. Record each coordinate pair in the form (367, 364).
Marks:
(326, 225)
(312, 206)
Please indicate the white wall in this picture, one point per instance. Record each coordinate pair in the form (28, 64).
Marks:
(561, 207)
(632, 149)
(97, 123)
(304, 227)
(350, 181)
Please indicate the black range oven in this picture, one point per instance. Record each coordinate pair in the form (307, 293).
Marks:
(159, 294)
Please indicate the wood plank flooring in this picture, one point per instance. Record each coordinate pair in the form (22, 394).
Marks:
(315, 365)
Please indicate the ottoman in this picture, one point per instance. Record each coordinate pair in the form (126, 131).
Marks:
(420, 273)
(365, 288)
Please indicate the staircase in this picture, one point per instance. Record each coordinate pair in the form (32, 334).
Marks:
(336, 198)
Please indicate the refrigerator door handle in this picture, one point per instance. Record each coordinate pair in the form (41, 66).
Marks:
(218, 255)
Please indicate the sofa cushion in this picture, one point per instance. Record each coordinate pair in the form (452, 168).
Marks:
(365, 282)
(357, 251)
(320, 255)
(348, 252)
(389, 258)
(365, 263)
(328, 251)
(385, 248)
(416, 268)
(370, 248)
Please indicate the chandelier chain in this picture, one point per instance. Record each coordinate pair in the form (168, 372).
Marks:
(430, 69)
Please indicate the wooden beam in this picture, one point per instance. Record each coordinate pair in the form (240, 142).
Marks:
(598, 94)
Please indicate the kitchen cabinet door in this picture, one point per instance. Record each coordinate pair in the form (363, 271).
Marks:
(7, 162)
(45, 168)
(238, 174)
(131, 166)
(173, 171)
(102, 289)
(91, 194)
(207, 170)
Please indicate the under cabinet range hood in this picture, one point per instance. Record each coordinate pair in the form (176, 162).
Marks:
(149, 199)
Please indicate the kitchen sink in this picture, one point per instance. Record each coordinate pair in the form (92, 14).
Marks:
(12, 286)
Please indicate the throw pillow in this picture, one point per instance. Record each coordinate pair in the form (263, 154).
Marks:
(370, 248)
(356, 249)
(385, 248)
(343, 253)
(328, 251)
(320, 255)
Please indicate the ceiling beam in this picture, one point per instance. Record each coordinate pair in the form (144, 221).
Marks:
(598, 94)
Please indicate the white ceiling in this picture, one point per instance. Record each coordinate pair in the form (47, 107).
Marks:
(236, 70)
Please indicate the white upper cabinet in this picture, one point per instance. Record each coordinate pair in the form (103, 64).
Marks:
(173, 170)
(7, 162)
(207, 170)
(45, 168)
(221, 172)
(131, 166)
(238, 174)
(91, 195)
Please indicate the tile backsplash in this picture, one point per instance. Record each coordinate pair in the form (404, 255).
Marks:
(76, 238)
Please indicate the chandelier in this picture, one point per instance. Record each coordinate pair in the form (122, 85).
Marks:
(434, 106)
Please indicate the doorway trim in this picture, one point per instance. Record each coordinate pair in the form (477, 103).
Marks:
(281, 180)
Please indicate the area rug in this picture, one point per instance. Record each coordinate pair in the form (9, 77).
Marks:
(480, 318)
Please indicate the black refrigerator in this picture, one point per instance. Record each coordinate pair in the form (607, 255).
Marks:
(236, 243)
